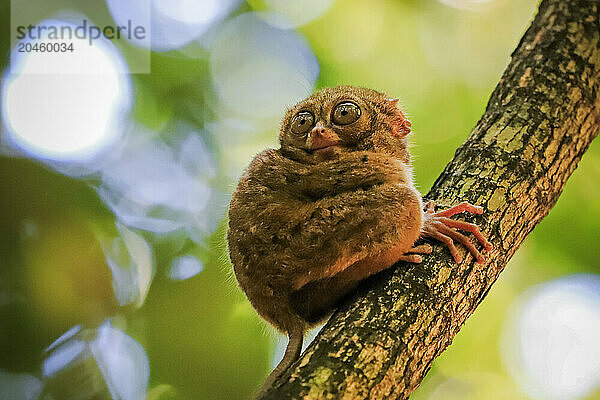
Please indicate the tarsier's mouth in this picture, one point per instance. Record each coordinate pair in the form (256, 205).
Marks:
(325, 147)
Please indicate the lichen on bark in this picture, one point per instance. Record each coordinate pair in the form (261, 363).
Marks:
(538, 123)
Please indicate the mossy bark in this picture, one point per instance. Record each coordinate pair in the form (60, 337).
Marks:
(539, 121)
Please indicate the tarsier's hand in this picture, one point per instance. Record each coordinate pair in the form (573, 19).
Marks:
(439, 226)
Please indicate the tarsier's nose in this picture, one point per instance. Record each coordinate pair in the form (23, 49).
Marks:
(321, 137)
(318, 130)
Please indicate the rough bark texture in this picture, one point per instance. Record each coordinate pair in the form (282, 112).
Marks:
(539, 121)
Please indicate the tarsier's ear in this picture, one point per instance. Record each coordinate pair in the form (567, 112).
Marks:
(400, 124)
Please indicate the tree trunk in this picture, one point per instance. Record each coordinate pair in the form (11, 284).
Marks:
(539, 121)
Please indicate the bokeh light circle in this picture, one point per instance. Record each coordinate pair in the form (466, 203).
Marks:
(174, 23)
(550, 342)
(66, 106)
(84, 363)
(294, 13)
(258, 69)
(154, 187)
(185, 267)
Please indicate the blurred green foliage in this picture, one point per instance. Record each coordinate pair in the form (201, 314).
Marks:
(201, 336)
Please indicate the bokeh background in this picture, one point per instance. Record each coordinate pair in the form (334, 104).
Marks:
(114, 275)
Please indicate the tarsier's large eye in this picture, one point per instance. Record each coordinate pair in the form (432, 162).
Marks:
(345, 113)
(302, 122)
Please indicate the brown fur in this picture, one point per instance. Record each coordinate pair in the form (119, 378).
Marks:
(306, 226)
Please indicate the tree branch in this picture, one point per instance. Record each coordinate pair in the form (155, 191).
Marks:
(539, 121)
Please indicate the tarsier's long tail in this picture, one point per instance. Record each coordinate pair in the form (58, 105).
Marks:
(292, 352)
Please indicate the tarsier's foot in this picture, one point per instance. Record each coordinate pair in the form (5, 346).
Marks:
(413, 256)
(439, 226)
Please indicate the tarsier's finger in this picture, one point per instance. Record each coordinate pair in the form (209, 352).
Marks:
(413, 258)
(421, 249)
(463, 240)
(457, 209)
(448, 242)
(468, 227)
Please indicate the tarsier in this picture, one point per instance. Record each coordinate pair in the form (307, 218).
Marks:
(334, 205)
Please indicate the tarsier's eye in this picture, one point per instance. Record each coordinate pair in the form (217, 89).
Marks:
(302, 122)
(345, 113)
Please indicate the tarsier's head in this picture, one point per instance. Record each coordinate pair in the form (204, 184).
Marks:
(343, 119)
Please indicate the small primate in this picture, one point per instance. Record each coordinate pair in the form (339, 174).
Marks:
(334, 205)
